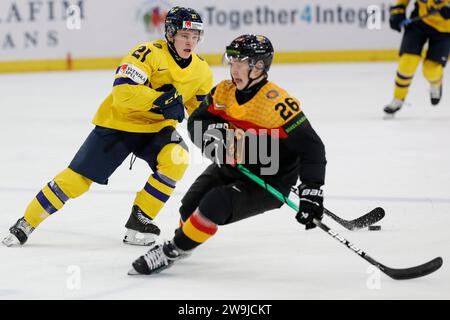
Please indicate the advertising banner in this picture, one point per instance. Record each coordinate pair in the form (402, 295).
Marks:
(54, 29)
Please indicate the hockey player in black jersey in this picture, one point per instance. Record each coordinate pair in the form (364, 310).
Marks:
(234, 115)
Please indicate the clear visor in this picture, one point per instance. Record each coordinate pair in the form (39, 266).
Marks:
(195, 31)
(193, 35)
(229, 58)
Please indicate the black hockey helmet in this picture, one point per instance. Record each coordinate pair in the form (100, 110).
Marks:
(252, 47)
(179, 18)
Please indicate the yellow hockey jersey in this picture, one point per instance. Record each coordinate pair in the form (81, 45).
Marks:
(436, 20)
(147, 67)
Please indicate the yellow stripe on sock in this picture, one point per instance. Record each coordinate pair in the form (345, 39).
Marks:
(149, 204)
(194, 234)
(54, 200)
(160, 186)
(402, 81)
(35, 214)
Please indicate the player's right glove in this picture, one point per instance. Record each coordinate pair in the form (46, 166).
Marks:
(310, 206)
(445, 12)
(215, 144)
(170, 103)
(397, 16)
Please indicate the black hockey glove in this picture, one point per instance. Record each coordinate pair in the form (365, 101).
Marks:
(397, 16)
(311, 205)
(215, 143)
(170, 103)
(445, 12)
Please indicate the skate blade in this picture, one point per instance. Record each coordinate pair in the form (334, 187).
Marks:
(10, 241)
(388, 116)
(139, 243)
(133, 272)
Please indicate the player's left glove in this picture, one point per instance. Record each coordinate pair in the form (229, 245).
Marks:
(397, 15)
(215, 143)
(170, 103)
(310, 206)
(445, 12)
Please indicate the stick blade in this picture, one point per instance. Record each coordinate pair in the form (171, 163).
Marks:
(414, 272)
(369, 218)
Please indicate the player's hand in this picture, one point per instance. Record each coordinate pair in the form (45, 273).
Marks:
(397, 16)
(215, 144)
(310, 206)
(445, 12)
(170, 103)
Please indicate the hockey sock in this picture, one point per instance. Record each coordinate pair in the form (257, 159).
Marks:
(196, 230)
(433, 72)
(154, 195)
(172, 162)
(66, 185)
(406, 68)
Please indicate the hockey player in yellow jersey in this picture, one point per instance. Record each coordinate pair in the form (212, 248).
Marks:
(153, 87)
(429, 22)
(261, 112)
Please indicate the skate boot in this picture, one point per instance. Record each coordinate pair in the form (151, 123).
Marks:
(19, 233)
(435, 94)
(141, 230)
(393, 106)
(158, 258)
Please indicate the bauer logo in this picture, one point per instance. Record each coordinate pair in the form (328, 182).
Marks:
(152, 14)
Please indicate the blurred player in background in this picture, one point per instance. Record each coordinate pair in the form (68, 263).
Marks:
(154, 85)
(221, 194)
(434, 28)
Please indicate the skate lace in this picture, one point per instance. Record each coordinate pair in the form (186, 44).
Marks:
(155, 258)
(143, 219)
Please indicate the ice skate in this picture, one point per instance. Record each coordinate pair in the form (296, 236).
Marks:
(394, 106)
(141, 231)
(435, 94)
(19, 233)
(158, 258)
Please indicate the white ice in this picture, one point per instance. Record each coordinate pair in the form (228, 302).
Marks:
(401, 164)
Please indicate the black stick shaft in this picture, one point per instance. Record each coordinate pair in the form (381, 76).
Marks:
(397, 274)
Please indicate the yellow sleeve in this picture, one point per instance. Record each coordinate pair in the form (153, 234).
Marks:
(193, 103)
(131, 89)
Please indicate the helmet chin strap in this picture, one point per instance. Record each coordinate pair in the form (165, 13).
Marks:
(174, 51)
(250, 79)
(171, 46)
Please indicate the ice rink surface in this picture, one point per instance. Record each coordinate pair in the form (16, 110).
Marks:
(402, 165)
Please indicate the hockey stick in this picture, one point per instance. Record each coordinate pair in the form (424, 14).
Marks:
(407, 22)
(364, 221)
(397, 274)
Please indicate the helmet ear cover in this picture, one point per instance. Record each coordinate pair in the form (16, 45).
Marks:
(259, 65)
